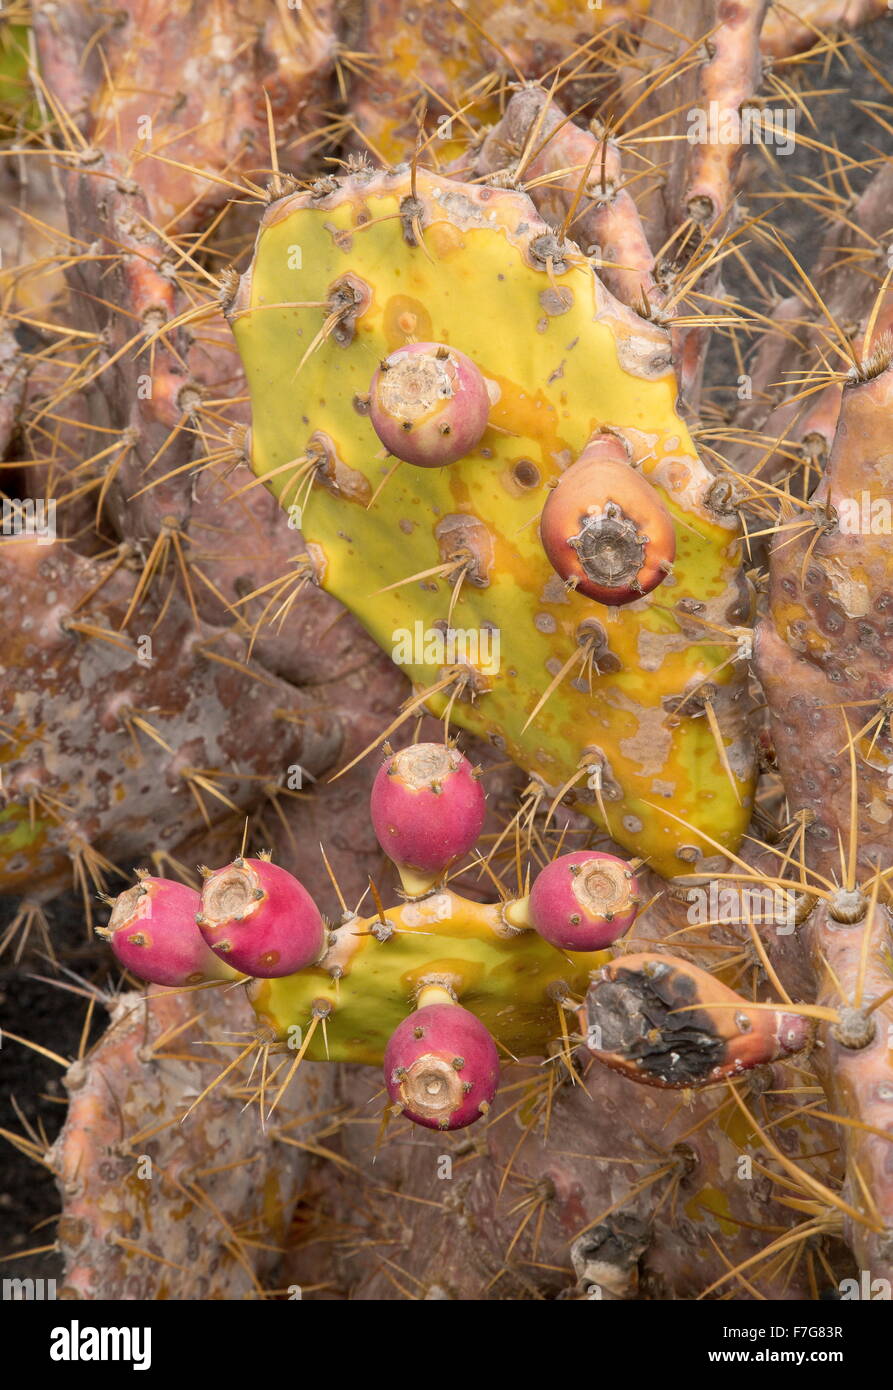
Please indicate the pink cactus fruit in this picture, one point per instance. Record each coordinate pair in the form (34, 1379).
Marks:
(428, 404)
(260, 919)
(441, 1066)
(153, 934)
(427, 808)
(583, 901)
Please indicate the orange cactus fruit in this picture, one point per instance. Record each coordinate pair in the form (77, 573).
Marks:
(665, 1022)
(604, 527)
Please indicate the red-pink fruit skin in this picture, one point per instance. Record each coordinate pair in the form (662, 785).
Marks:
(552, 904)
(466, 413)
(423, 829)
(175, 953)
(283, 933)
(449, 1031)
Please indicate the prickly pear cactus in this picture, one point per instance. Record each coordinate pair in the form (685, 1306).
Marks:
(443, 554)
(228, 1183)
(640, 705)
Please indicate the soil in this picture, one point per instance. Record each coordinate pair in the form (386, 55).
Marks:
(31, 1092)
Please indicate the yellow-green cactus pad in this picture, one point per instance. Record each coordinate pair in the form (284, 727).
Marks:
(513, 981)
(356, 267)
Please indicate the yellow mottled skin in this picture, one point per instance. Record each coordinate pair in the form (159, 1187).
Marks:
(566, 359)
(21, 840)
(504, 978)
(455, 55)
